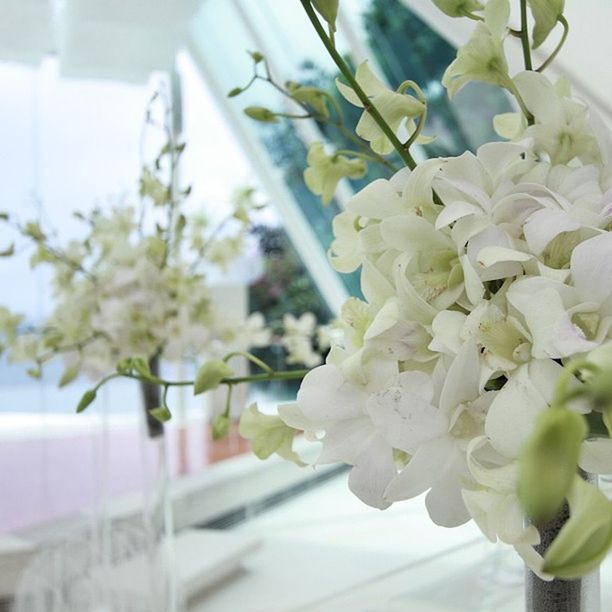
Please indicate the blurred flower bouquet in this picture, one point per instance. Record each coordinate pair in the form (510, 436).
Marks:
(133, 290)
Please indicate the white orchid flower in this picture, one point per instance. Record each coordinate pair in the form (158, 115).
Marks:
(562, 126)
(567, 320)
(334, 408)
(395, 107)
(432, 419)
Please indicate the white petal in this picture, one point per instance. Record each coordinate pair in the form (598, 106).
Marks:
(446, 328)
(541, 303)
(596, 456)
(412, 234)
(462, 381)
(345, 440)
(544, 225)
(422, 470)
(456, 210)
(325, 395)
(517, 405)
(497, 156)
(376, 200)
(540, 96)
(373, 471)
(591, 267)
(491, 255)
(445, 503)
(403, 413)
(474, 287)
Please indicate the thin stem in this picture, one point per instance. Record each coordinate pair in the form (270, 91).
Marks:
(252, 358)
(231, 380)
(338, 123)
(525, 37)
(563, 21)
(348, 75)
(511, 87)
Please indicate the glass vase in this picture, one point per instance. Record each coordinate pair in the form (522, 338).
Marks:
(115, 554)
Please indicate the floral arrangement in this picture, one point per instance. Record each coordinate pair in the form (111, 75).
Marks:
(133, 290)
(478, 366)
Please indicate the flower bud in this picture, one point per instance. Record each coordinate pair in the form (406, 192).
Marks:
(548, 462)
(210, 375)
(260, 113)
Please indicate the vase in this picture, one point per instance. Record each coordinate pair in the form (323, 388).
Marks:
(157, 521)
(114, 555)
(580, 595)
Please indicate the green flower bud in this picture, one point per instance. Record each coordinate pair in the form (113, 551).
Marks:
(545, 14)
(257, 56)
(586, 538)
(69, 375)
(162, 414)
(210, 375)
(328, 9)
(220, 426)
(548, 462)
(88, 397)
(260, 113)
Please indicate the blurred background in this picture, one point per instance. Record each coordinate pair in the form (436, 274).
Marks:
(77, 76)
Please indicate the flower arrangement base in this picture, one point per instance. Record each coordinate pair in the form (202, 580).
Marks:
(581, 595)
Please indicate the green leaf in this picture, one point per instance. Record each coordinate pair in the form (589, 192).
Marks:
(10, 250)
(162, 414)
(232, 93)
(548, 462)
(4, 216)
(88, 397)
(210, 375)
(69, 375)
(220, 426)
(545, 14)
(586, 538)
(260, 113)
(328, 9)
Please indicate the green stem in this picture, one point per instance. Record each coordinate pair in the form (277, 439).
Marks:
(511, 87)
(252, 358)
(525, 37)
(563, 21)
(348, 75)
(233, 380)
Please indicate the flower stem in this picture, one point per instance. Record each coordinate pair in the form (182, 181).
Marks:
(563, 21)
(348, 75)
(525, 37)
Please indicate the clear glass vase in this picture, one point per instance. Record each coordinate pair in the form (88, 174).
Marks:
(116, 553)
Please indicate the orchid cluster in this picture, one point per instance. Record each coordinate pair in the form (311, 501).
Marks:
(480, 354)
(134, 290)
